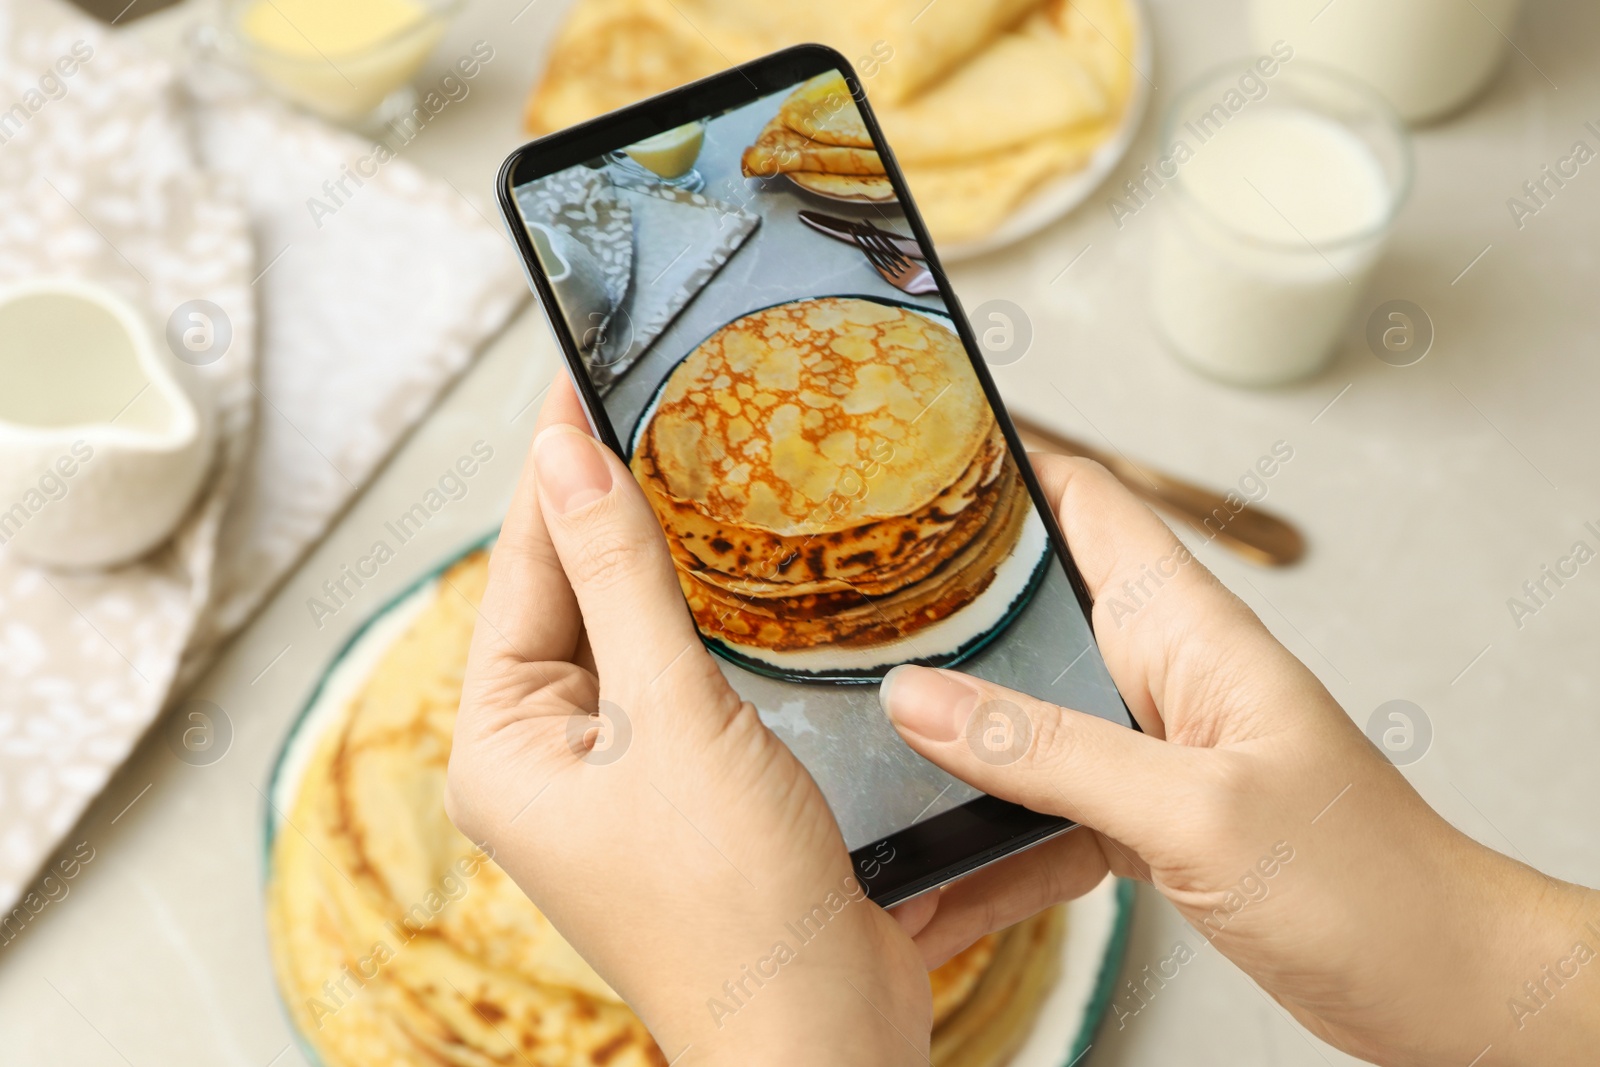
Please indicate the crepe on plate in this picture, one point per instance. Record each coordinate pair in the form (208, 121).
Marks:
(398, 943)
(982, 100)
(829, 473)
(819, 140)
(395, 940)
(995, 1017)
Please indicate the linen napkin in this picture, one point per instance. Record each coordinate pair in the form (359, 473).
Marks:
(656, 246)
(343, 335)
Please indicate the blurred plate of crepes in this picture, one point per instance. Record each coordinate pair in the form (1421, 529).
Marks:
(1003, 114)
(398, 942)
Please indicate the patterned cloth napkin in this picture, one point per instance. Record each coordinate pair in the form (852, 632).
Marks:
(583, 204)
(656, 246)
(678, 250)
(346, 327)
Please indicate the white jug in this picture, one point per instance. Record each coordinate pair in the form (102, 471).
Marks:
(104, 438)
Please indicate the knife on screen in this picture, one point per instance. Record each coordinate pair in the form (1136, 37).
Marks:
(846, 229)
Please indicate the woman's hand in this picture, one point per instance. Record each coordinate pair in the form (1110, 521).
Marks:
(1257, 808)
(672, 838)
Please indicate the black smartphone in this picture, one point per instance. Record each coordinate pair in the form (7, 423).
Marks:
(758, 324)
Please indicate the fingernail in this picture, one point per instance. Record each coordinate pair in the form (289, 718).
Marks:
(933, 704)
(572, 472)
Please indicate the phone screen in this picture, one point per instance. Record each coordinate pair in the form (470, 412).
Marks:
(834, 483)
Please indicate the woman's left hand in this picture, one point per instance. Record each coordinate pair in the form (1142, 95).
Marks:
(672, 839)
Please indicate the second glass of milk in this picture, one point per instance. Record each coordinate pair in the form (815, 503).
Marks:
(1283, 191)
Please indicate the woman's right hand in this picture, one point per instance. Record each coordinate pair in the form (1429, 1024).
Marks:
(1259, 810)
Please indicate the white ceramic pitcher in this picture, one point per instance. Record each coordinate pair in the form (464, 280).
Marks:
(104, 438)
(579, 282)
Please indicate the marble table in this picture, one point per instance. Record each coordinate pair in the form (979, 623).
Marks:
(1429, 494)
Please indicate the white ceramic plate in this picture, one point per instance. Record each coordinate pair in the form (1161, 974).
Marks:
(836, 198)
(1091, 956)
(1055, 198)
(1097, 924)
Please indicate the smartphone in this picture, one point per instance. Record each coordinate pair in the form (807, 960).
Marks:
(837, 480)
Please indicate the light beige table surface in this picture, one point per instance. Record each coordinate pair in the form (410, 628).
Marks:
(1429, 494)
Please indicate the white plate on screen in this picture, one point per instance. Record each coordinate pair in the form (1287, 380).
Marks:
(945, 643)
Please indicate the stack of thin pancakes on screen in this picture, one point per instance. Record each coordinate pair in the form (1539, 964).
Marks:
(819, 140)
(836, 492)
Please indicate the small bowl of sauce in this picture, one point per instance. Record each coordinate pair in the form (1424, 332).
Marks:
(350, 61)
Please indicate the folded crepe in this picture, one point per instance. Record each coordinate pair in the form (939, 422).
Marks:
(820, 141)
(996, 1016)
(928, 40)
(779, 150)
(983, 100)
(1023, 87)
(822, 111)
(394, 938)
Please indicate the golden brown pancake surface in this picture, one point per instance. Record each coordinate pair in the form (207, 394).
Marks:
(851, 619)
(775, 420)
(876, 557)
(999, 1010)
(829, 472)
(823, 110)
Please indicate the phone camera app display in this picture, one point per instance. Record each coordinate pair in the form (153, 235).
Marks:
(767, 340)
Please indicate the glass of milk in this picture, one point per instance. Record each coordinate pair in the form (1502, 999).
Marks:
(1279, 193)
(1427, 57)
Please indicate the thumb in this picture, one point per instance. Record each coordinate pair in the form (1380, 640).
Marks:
(1046, 758)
